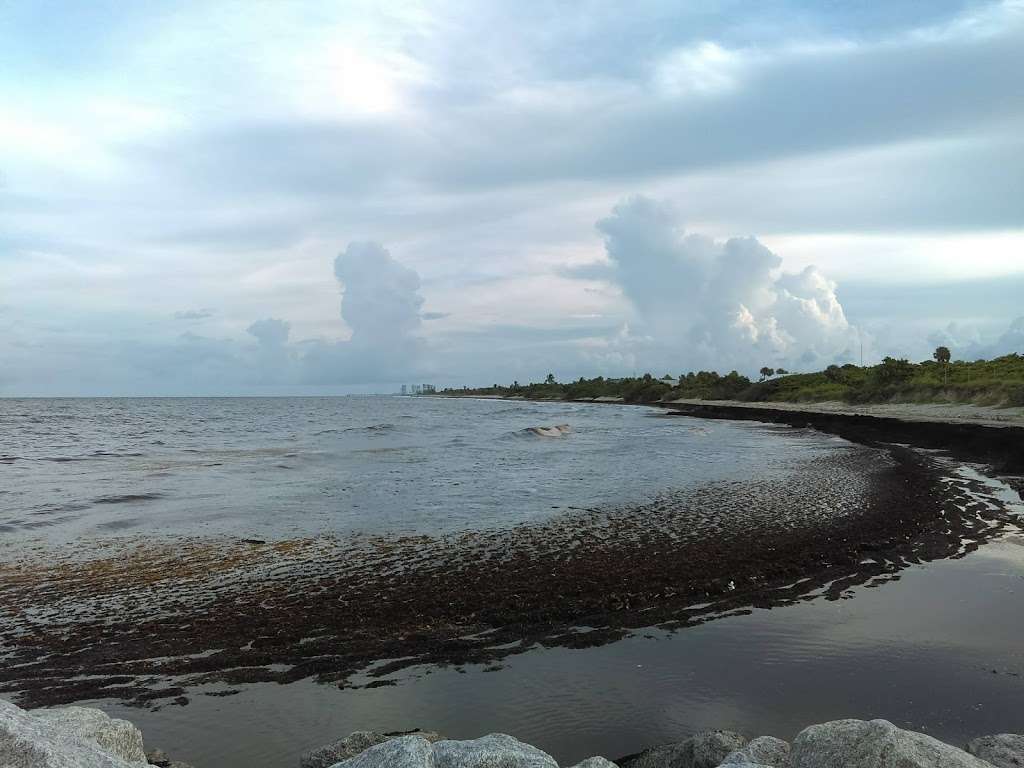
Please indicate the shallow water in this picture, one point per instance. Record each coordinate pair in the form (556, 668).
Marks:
(937, 650)
(274, 468)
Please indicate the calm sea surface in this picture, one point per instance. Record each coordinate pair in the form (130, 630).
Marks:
(283, 467)
(939, 650)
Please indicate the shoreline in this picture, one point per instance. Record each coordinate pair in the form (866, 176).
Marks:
(999, 446)
(159, 624)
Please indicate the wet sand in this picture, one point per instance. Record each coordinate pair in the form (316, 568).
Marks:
(146, 621)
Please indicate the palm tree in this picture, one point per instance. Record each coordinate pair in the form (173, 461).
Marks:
(550, 379)
(766, 372)
(942, 355)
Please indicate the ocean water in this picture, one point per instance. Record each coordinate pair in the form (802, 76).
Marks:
(274, 468)
(938, 649)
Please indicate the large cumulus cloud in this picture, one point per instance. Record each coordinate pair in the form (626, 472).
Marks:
(382, 307)
(968, 343)
(703, 302)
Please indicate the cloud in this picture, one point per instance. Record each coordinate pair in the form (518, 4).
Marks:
(967, 342)
(194, 314)
(718, 303)
(381, 304)
(270, 331)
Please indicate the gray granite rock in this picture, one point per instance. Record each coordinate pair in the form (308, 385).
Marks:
(705, 749)
(352, 745)
(342, 749)
(27, 741)
(118, 737)
(1003, 750)
(874, 744)
(496, 750)
(710, 748)
(764, 750)
(595, 762)
(403, 752)
(678, 755)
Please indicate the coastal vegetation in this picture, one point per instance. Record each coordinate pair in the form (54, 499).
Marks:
(997, 382)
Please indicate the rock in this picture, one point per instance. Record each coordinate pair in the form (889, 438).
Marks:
(118, 737)
(353, 744)
(27, 741)
(662, 756)
(1004, 750)
(710, 748)
(595, 762)
(706, 749)
(496, 750)
(764, 750)
(403, 752)
(874, 744)
(158, 757)
(342, 749)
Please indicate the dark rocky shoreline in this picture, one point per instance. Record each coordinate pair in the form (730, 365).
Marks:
(145, 628)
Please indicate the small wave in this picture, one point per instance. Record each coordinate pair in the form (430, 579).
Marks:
(372, 429)
(127, 498)
(558, 430)
(515, 409)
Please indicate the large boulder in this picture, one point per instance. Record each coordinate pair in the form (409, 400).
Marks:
(710, 748)
(118, 737)
(403, 752)
(493, 751)
(29, 741)
(496, 750)
(706, 749)
(595, 762)
(352, 745)
(764, 750)
(661, 756)
(1004, 750)
(874, 744)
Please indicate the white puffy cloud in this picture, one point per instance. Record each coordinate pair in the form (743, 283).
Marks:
(271, 331)
(718, 303)
(967, 342)
(382, 306)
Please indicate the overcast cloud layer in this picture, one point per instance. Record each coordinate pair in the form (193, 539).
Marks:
(221, 197)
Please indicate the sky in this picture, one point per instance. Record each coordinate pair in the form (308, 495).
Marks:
(282, 197)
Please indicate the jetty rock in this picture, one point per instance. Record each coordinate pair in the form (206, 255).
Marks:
(496, 750)
(874, 744)
(706, 749)
(1004, 750)
(355, 744)
(70, 737)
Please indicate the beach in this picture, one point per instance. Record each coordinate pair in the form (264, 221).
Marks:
(160, 624)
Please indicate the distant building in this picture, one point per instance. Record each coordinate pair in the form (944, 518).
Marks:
(405, 389)
(428, 389)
